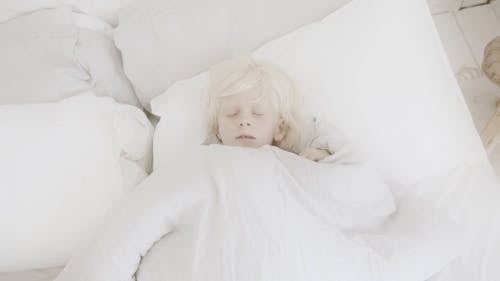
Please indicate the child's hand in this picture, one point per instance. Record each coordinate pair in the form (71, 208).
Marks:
(314, 154)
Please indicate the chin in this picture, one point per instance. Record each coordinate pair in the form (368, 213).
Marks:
(246, 143)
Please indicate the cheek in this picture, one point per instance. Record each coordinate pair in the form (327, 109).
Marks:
(224, 126)
(269, 125)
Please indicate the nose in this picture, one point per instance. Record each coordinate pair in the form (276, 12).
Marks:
(245, 121)
(245, 124)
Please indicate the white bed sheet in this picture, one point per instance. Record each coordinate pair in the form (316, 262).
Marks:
(272, 215)
(479, 180)
(471, 195)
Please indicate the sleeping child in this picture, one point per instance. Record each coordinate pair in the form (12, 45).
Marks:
(254, 103)
(249, 206)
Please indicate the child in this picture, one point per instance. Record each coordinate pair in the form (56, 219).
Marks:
(253, 103)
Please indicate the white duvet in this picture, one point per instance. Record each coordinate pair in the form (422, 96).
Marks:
(230, 213)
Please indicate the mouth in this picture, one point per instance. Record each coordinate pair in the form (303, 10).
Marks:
(245, 137)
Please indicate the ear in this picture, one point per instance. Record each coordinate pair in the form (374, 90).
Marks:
(280, 132)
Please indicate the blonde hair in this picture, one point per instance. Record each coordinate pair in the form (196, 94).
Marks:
(243, 73)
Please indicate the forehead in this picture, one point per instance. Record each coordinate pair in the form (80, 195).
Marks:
(245, 98)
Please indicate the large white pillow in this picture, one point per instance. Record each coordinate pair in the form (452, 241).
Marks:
(63, 166)
(165, 41)
(46, 57)
(375, 69)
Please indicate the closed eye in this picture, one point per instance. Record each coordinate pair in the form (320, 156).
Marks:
(233, 114)
(257, 114)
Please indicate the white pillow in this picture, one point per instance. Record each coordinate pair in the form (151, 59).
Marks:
(63, 166)
(46, 57)
(97, 54)
(37, 53)
(375, 69)
(165, 41)
(105, 10)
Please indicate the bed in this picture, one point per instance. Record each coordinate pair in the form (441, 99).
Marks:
(91, 144)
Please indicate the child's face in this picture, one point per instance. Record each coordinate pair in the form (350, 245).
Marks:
(244, 119)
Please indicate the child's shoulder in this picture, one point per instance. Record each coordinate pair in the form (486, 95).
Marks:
(321, 134)
(318, 133)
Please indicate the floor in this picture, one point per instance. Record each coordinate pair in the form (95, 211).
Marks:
(464, 34)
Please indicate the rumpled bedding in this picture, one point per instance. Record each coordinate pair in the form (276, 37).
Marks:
(233, 213)
(64, 164)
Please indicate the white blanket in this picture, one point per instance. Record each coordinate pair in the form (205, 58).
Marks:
(230, 213)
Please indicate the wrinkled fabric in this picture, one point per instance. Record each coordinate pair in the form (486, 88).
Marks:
(232, 213)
